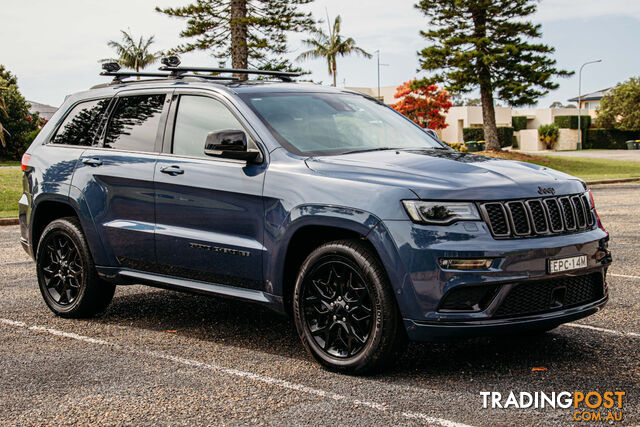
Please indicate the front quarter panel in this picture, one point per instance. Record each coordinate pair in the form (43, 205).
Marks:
(296, 197)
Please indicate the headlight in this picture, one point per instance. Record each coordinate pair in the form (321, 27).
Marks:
(440, 213)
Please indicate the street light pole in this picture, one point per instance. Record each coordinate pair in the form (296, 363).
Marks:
(580, 101)
(377, 52)
(378, 55)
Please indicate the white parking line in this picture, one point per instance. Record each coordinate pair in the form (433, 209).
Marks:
(606, 331)
(382, 407)
(623, 275)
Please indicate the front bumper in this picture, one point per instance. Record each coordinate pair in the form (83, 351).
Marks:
(516, 262)
(444, 331)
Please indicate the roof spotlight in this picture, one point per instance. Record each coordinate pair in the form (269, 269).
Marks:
(111, 67)
(171, 61)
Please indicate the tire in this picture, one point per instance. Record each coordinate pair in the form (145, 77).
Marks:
(67, 276)
(331, 329)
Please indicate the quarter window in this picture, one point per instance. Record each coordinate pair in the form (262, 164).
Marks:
(133, 126)
(197, 116)
(82, 124)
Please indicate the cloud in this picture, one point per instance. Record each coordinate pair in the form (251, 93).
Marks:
(557, 10)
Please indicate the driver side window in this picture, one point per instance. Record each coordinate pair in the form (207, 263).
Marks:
(196, 117)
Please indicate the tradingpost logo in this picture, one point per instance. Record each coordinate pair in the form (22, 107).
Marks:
(586, 406)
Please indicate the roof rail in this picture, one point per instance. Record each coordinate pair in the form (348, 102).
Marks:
(179, 71)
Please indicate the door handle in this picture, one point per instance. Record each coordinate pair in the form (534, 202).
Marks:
(172, 170)
(92, 161)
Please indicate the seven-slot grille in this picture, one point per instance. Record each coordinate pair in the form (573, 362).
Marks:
(536, 217)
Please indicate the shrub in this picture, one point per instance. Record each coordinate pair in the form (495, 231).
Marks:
(571, 122)
(458, 146)
(505, 135)
(519, 123)
(609, 138)
(549, 135)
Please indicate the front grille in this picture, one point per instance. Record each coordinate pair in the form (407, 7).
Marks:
(537, 217)
(551, 294)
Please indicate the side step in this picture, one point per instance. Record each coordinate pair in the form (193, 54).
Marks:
(175, 283)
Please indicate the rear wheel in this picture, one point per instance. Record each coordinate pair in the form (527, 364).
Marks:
(344, 309)
(67, 277)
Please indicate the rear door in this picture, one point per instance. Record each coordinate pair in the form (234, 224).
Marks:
(209, 211)
(116, 178)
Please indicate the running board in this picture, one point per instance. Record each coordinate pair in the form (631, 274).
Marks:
(197, 286)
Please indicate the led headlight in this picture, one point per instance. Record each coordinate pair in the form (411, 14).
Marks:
(440, 213)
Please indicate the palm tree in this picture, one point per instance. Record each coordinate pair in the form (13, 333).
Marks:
(3, 114)
(330, 45)
(132, 54)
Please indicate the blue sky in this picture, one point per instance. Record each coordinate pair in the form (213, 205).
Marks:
(53, 47)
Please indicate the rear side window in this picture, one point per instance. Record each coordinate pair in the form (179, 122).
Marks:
(82, 124)
(197, 116)
(133, 125)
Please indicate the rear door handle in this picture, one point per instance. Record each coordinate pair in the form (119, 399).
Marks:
(92, 161)
(172, 170)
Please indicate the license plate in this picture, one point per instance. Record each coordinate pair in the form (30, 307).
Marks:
(567, 264)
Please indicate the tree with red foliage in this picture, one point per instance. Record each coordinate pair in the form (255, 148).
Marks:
(423, 103)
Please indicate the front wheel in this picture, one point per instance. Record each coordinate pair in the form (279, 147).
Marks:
(344, 309)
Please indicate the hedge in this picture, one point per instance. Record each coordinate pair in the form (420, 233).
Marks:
(571, 122)
(519, 123)
(505, 135)
(609, 138)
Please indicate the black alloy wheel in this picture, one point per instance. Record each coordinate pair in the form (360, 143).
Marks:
(337, 307)
(344, 308)
(67, 276)
(62, 271)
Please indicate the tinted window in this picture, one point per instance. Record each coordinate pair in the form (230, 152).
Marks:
(134, 123)
(81, 125)
(320, 123)
(197, 116)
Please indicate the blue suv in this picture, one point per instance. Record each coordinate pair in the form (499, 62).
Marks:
(317, 202)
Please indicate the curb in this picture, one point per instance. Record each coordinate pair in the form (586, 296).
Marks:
(622, 186)
(9, 221)
(613, 181)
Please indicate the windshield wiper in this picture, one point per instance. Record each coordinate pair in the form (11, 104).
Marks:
(364, 150)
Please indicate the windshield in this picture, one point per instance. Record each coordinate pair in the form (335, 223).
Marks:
(321, 123)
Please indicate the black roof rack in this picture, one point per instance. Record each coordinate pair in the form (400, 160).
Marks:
(119, 76)
(179, 71)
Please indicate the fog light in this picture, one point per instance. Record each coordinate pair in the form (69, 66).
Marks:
(465, 264)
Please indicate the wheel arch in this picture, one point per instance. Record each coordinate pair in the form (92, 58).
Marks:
(312, 227)
(49, 207)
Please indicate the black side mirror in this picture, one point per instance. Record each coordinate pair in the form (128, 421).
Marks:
(229, 144)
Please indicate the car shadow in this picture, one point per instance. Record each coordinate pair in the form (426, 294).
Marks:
(250, 326)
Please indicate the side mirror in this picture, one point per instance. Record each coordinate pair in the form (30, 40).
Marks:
(229, 144)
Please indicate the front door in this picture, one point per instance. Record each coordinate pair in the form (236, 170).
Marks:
(116, 179)
(209, 211)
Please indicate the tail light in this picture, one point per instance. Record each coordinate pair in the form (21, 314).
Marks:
(593, 205)
(25, 161)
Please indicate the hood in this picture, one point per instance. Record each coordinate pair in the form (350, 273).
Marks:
(439, 174)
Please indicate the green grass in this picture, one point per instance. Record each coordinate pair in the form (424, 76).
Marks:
(585, 168)
(10, 191)
(9, 163)
(592, 169)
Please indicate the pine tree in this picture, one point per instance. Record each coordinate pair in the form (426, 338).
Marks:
(252, 32)
(488, 44)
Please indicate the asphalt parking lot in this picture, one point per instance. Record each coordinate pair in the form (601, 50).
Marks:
(162, 357)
